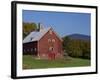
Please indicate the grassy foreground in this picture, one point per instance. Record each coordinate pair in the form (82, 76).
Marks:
(29, 62)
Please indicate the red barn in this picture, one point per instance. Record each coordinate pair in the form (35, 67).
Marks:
(43, 43)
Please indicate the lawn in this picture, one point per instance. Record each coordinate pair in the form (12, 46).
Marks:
(29, 62)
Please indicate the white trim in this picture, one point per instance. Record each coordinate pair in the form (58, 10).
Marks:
(21, 72)
(57, 35)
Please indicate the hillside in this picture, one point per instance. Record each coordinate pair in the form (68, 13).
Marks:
(79, 37)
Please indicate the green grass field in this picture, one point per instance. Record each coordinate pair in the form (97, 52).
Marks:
(29, 62)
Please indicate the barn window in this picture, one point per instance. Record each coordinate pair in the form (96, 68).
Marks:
(31, 49)
(50, 48)
(53, 40)
(28, 50)
(34, 49)
(49, 40)
(50, 32)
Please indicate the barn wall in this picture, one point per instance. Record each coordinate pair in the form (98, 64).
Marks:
(45, 44)
(30, 48)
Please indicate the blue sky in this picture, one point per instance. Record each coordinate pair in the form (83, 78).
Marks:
(64, 23)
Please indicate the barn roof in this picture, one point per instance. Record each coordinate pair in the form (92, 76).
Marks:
(37, 35)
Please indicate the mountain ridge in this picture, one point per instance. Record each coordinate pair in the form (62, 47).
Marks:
(79, 36)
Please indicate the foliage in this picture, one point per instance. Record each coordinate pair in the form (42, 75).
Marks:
(76, 48)
(28, 27)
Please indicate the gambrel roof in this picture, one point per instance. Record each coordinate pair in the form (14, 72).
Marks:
(37, 35)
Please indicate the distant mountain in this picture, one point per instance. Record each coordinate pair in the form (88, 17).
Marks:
(79, 37)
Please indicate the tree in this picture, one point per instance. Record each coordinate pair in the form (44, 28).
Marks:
(86, 50)
(66, 41)
(28, 27)
(76, 48)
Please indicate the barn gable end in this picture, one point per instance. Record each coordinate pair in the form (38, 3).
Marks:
(50, 43)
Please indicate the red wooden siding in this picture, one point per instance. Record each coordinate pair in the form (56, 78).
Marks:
(50, 40)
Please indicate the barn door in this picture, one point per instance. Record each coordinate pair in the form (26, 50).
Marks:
(51, 54)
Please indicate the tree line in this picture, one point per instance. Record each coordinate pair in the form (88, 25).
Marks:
(76, 48)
